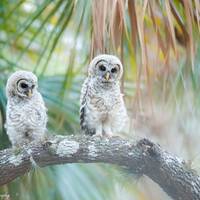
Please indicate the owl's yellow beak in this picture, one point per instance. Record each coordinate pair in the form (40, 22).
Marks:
(30, 93)
(107, 76)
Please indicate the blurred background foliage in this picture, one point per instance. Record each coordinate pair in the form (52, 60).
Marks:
(158, 43)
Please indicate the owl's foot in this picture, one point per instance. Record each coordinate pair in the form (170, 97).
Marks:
(107, 131)
(44, 141)
(99, 131)
(108, 135)
(98, 135)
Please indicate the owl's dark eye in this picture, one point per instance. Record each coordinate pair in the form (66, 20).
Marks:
(102, 68)
(114, 70)
(24, 85)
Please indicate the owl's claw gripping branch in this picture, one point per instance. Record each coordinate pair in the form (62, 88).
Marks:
(142, 157)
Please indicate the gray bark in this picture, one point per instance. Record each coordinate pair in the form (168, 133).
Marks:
(142, 158)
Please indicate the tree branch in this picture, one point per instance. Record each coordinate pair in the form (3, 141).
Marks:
(142, 157)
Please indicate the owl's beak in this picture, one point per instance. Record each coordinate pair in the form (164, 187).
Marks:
(107, 76)
(29, 93)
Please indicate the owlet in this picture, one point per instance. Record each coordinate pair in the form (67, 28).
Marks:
(102, 109)
(26, 116)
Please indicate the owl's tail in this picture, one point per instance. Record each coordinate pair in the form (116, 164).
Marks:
(83, 124)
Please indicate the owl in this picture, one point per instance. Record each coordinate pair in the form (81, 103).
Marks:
(102, 109)
(26, 116)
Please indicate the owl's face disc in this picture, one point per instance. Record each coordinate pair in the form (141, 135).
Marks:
(25, 88)
(106, 68)
(22, 84)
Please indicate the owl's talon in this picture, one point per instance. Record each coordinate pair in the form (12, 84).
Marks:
(109, 135)
(46, 144)
(98, 135)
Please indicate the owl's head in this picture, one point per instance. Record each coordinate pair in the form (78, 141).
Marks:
(21, 84)
(106, 68)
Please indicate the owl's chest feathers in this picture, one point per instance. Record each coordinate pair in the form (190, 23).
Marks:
(26, 105)
(26, 112)
(105, 99)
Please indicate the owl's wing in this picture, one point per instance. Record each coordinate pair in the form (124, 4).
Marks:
(83, 104)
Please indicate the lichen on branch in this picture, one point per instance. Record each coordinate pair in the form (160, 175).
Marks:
(141, 157)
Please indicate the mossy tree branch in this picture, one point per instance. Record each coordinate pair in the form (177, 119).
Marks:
(142, 157)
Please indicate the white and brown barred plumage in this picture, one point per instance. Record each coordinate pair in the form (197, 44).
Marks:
(26, 116)
(102, 109)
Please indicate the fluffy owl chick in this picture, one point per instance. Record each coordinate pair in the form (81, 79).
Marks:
(26, 116)
(102, 109)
